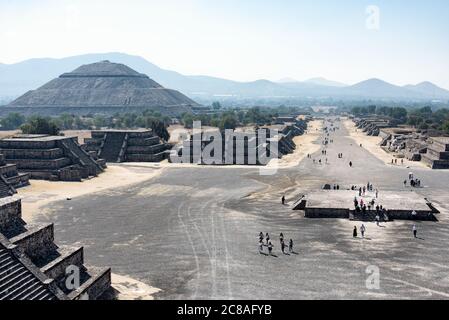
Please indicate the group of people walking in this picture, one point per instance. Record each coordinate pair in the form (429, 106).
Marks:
(270, 246)
(414, 182)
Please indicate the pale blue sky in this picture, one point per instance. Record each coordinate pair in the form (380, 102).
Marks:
(241, 39)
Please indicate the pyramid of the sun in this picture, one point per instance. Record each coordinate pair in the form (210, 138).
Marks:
(102, 87)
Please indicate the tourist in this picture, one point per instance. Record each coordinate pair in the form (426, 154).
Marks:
(267, 237)
(377, 193)
(362, 230)
(350, 164)
(377, 220)
(261, 236)
(270, 248)
(283, 246)
(290, 246)
(354, 232)
(283, 200)
(281, 237)
(260, 247)
(415, 231)
(405, 183)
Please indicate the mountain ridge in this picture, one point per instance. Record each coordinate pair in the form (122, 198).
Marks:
(18, 78)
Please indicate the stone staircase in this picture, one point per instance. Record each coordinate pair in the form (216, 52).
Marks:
(113, 143)
(127, 146)
(79, 155)
(34, 267)
(17, 282)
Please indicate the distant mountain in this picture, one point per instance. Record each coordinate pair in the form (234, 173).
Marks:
(325, 82)
(287, 80)
(16, 79)
(379, 89)
(428, 89)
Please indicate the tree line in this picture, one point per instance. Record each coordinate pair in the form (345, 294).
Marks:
(422, 118)
(53, 125)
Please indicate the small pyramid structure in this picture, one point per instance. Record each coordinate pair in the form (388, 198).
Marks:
(103, 87)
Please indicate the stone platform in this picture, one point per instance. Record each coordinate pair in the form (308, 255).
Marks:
(340, 204)
(140, 145)
(48, 157)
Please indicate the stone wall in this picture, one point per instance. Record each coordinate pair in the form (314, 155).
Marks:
(11, 212)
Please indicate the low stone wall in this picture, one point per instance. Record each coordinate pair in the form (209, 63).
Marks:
(27, 144)
(33, 153)
(23, 164)
(407, 215)
(326, 213)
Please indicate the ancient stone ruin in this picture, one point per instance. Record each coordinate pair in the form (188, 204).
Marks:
(372, 125)
(127, 146)
(427, 146)
(10, 176)
(237, 148)
(103, 87)
(402, 205)
(437, 156)
(33, 267)
(49, 158)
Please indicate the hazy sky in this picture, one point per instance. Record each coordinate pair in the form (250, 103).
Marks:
(242, 39)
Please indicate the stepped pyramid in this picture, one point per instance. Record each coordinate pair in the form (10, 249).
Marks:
(102, 87)
(140, 145)
(46, 157)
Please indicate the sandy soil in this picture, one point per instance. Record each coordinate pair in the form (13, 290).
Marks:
(130, 289)
(40, 193)
(372, 145)
(8, 133)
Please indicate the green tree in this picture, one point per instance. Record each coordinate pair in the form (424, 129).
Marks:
(12, 121)
(228, 122)
(40, 125)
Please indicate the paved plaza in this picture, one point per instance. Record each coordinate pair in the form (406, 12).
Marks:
(193, 232)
